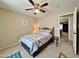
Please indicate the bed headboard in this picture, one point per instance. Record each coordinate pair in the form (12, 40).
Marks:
(46, 28)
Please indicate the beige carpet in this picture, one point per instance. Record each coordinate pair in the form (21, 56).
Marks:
(50, 52)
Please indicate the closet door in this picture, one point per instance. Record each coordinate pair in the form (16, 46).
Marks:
(75, 30)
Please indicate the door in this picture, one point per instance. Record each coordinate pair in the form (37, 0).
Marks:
(75, 30)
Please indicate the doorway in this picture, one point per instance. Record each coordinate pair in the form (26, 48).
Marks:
(64, 31)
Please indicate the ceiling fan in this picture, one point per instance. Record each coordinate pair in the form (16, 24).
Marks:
(37, 7)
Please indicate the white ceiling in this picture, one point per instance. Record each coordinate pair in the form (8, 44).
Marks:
(53, 6)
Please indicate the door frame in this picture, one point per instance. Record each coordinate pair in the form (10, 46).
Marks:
(59, 22)
(74, 26)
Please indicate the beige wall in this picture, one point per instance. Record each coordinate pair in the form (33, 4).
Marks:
(71, 27)
(49, 21)
(11, 28)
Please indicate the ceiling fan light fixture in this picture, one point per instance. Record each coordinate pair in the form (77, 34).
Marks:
(37, 8)
(36, 11)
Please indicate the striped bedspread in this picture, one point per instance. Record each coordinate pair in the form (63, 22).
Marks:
(35, 40)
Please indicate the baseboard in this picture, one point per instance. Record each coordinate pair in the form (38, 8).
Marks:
(9, 46)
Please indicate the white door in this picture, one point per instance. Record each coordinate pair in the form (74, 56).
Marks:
(75, 29)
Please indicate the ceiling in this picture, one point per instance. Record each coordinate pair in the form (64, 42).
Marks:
(53, 6)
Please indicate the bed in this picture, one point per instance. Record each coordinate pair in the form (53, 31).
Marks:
(34, 43)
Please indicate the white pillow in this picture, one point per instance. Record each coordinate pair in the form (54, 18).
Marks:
(45, 31)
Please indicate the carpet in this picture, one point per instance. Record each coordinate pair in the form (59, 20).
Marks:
(15, 55)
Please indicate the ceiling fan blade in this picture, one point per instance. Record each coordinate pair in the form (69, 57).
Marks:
(31, 2)
(29, 9)
(45, 4)
(42, 11)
